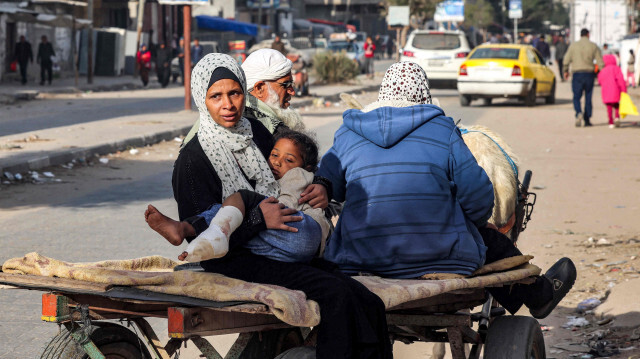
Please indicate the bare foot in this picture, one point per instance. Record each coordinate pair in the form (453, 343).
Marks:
(168, 228)
(183, 255)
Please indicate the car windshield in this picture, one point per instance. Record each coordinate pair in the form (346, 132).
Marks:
(436, 41)
(495, 53)
(341, 45)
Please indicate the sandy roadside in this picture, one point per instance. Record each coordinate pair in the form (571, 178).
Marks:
(588, 185)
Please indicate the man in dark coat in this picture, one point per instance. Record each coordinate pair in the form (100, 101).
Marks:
(45, 51)
(23, 55)
(543, 49)
(561, 49)
(278, 45)
(163, 64)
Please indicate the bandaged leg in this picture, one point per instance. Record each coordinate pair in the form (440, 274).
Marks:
(214, 241)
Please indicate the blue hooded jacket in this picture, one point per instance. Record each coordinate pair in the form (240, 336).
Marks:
(414, 194)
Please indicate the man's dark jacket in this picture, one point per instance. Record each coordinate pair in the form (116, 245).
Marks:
(23, 52)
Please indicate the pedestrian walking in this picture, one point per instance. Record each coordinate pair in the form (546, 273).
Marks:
(180, 55)
(45, 52)
(278, 45)
(378, 51)
(543, 49)
(580, 57)
(23, 54)
(197, 52)
(612, 84)
(143, 59)
(561, 50)
(369, 51)
(631, 69)
(163, 64)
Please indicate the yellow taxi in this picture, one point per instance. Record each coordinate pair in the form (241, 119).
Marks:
(505, 70)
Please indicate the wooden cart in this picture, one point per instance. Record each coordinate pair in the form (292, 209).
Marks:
(109, 322)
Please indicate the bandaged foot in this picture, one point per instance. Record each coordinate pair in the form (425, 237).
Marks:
(214, 241)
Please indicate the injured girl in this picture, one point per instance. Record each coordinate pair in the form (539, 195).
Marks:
(293, 159)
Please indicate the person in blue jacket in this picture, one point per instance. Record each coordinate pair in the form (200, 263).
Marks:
(415, 199)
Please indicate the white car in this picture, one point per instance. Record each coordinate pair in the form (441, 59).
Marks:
(266, 44)
(439, 53)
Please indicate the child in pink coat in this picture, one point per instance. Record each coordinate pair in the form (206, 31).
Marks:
(612, 84)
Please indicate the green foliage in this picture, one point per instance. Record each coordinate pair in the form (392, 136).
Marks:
(478, 13)
(537, 11)
(334, 67)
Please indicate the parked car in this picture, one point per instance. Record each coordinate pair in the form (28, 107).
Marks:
(505, 70)
(353, 50)
(308, 49)
(307, 57)
(439, 53)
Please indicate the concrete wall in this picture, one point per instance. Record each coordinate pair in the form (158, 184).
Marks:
(3, 44)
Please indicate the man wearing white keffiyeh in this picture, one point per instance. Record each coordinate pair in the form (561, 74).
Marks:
(228, 154)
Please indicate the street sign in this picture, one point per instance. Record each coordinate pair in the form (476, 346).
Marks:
(398, 16)
(266, 4)
(449, 10)
(515, 9)
(183, 2)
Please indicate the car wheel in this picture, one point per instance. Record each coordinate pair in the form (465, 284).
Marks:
(551, 99)
(530, 99)
(465, 100)
(487, 101)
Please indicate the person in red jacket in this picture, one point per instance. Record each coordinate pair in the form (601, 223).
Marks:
(612, 83)
(143, 59)
(369, 51)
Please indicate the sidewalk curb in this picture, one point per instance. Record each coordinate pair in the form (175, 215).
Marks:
(65, 156)
(336, 97)
(29, 95)
(59, 157)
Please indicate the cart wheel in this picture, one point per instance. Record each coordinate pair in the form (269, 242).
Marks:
(271, 343)
(114, 341)
(514, 337)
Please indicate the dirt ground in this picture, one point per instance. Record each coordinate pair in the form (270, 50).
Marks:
(587, 181)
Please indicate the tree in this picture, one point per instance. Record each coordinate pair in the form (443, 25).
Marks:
(479, 14)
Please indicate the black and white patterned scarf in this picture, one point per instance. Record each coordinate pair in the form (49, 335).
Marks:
(228, 148)
(405, 81)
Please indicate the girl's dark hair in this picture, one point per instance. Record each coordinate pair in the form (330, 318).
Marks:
(306, 145)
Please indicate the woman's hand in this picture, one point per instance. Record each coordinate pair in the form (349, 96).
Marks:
(315, 195)
(275, 215)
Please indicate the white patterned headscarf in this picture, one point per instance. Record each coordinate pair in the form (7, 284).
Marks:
(230, 150)
(405, 81)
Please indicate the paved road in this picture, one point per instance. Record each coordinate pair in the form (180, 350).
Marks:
(95, 213)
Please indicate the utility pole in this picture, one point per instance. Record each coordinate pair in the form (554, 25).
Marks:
(90, 43)
(260, 20)
(186, 10)
(139, 26)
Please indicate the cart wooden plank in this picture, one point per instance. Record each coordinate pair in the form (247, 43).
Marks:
(39, 282)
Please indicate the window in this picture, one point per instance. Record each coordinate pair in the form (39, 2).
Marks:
(435, 41)
(533, 58)
(496, 53)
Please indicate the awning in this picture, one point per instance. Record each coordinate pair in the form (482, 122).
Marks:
(58, 20)
(12, 8)
(220, 24)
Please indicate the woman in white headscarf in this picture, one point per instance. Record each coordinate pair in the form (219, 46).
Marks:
(228, 155)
